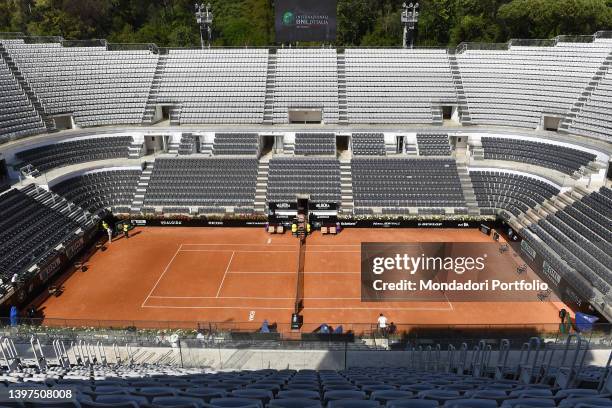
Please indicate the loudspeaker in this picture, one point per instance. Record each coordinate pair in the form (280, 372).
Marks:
(297, 321)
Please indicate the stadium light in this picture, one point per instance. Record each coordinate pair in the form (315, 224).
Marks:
(410, 18)
(204, 18)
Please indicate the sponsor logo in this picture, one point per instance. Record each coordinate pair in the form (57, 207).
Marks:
(215, 222)
(322, 205)
(171, 222)
(139, 222)
(288, 18)
(283, 205)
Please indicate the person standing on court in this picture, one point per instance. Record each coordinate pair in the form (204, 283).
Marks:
(109, 231)
(126, 230)
(382, 324)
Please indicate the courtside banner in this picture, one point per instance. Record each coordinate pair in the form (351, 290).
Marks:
(305, 20)
(447, 272)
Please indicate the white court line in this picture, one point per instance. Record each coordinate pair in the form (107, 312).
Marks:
(240, 251)
(225, 274)
(162, 275)
(222, 307)
(290, 273)
(222, 297)
(287, 245)
(306, 309)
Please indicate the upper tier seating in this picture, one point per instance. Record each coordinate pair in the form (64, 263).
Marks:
(315, 144)
(306, 78)
(216, 85)
(512, 192)
(368, 144)
(594, 118)
(396, 86)
(99, 190)
(204, 182)
(98, 87)
(18, 118)
(560, 158)
(401, 182)
(514, 87)
(433, 144)
(316, 176)
(236, 144)
(75, 151)
(29, 231)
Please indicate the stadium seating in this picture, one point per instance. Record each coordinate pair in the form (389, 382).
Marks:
(215, 85)
(513, 192)
(316, 176)
(82, 150)
(29, 231)
(368, 144)
(593, 117)
(202, 182)
(399, 183)
(433, 144)
(564, 159)
(315, 144)
(97, 86)
(515, 86)
(236, 144)
(99, 190)
(18, 118)
(397, 86)
(187, 145)
(306, 78)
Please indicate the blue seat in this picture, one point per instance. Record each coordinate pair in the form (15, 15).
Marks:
(119, 398)
(388, 395)
(412, 403)
(531, 393)
(302, 386)
(575, 392)
(439, 395)
(497, 395)
(109, 389)
(205, 394)
(152, 392)
(299, 394)
(529, 402)
(352, 403)
(177, 402)
(294, 403)
(470, 403)
(53, 404)
(377, 387)
(418, 387)
(343, 394)
(264, 386)
(230, 402)
(598, 401)
(86, 404)
(263, 395)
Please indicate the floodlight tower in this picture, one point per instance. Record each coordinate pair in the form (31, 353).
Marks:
(204, 17)
(410, 18)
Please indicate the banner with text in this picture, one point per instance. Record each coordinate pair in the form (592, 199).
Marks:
(305, 20)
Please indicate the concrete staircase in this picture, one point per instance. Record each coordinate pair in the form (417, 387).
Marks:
(149, 113)
(173, 147)
(60, 204)
(261, 190)
(468, 189)
(346, 188)
(141, 187)
(135, 150)
(270, 85)
(206, 148)
(462, 105)
(342, 103)
(436, 114)
(574, 111)
(25, 87)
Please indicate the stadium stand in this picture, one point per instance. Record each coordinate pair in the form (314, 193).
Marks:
(97, 86)
(560, 158)
(515, 85)
(315, 144)
(397, 183)
(202, 182)
(559, 236)
(316, 176)
(592, 117)
(236, 144)
(215, 85)
(368, 144)
(187, 145)
(29, 232)
(397, 86)
(18, 118)
(513, 192)
(306, 78)
(433, 144)
(99, 190)
(82, 150)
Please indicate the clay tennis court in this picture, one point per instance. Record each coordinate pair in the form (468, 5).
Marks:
(237, 277)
